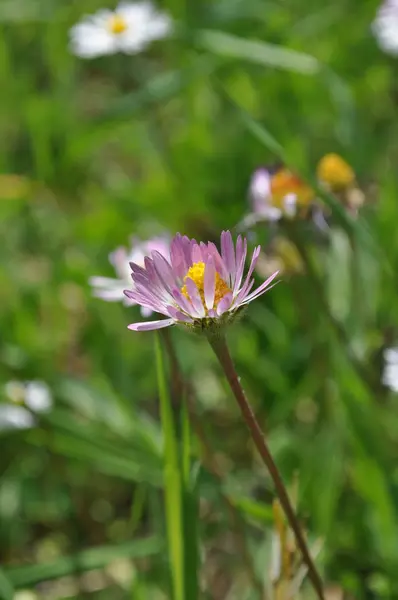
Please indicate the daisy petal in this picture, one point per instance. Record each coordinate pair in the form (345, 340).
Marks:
(209, 284)
(261, 289)
(195, 297)
(151, 325)
(255, 256)
(177, 315)
(224, 304)
(241, 250)
(228, 254)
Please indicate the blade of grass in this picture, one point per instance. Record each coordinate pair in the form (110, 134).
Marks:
(172, 480)
(271, 55)
(92, 558)
(190, 502)
(7, 591)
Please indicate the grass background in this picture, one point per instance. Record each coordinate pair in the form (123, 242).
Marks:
(112, 497)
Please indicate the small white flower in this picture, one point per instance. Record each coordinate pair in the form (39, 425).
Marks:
(130, 28)
(37, 396)
(112, 290)
(263, 203)
(385, 27)
(260, 197)
(390, 372)
(290, 205)
(24, 399)
(15, 417)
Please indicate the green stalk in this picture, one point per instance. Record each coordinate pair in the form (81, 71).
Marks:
(220, 349)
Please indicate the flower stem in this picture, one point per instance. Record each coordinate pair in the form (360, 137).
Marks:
(220, 348)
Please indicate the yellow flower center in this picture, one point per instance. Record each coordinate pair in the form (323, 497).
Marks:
(335, 171)
(197, 274)
(117, 24)
(285, 182)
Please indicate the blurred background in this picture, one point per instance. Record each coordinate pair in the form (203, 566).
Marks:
(93, 504)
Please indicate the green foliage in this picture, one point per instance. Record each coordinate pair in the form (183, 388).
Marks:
(130, 487)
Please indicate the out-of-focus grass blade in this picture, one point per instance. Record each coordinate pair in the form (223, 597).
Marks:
(23, 11)
(190, 514)
(159, 89)
(271, 55)
(324, 471)
(344, 103)
(172, 481)
(339, 288)
(93, 558)
(260, 513)
(111, 455)
(7, 591)
(373, 485)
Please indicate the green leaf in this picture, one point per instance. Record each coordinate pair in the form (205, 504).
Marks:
(339, 275)
(172, 481)
(190, 501)
(271, 55)
(93, 558)
(6, 588)
(373, 485)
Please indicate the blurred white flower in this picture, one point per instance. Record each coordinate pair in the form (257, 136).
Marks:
(261, 197)
(37, 396)
(24, 399)
(275, 194)
(130, 28)
(112, 290)
(390, 372)
(15, 417)
(385, 27)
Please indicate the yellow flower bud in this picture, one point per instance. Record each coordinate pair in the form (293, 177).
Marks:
(335, 172)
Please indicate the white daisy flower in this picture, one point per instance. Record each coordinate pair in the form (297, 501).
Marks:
(24, 399)
(390, 372)
(261, 196)
(385, 27)
(112, 290)
(15, 417)
(130, 28)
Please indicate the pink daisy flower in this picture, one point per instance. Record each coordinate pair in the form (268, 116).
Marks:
(200, 287)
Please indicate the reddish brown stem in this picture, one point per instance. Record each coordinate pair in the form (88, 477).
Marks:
(220, 348)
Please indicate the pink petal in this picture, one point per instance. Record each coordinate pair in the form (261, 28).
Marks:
(209, 284)
(137, 269)
(177, 257)
(177, 315)
(260, 290)
(164, 271)
(255, 256)
(218, 261)
(195, 297)
(228, 254)
(196, 253)
(151, 325)
(224, 304)
(241, 250)
(242, 294)
(183, 303)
